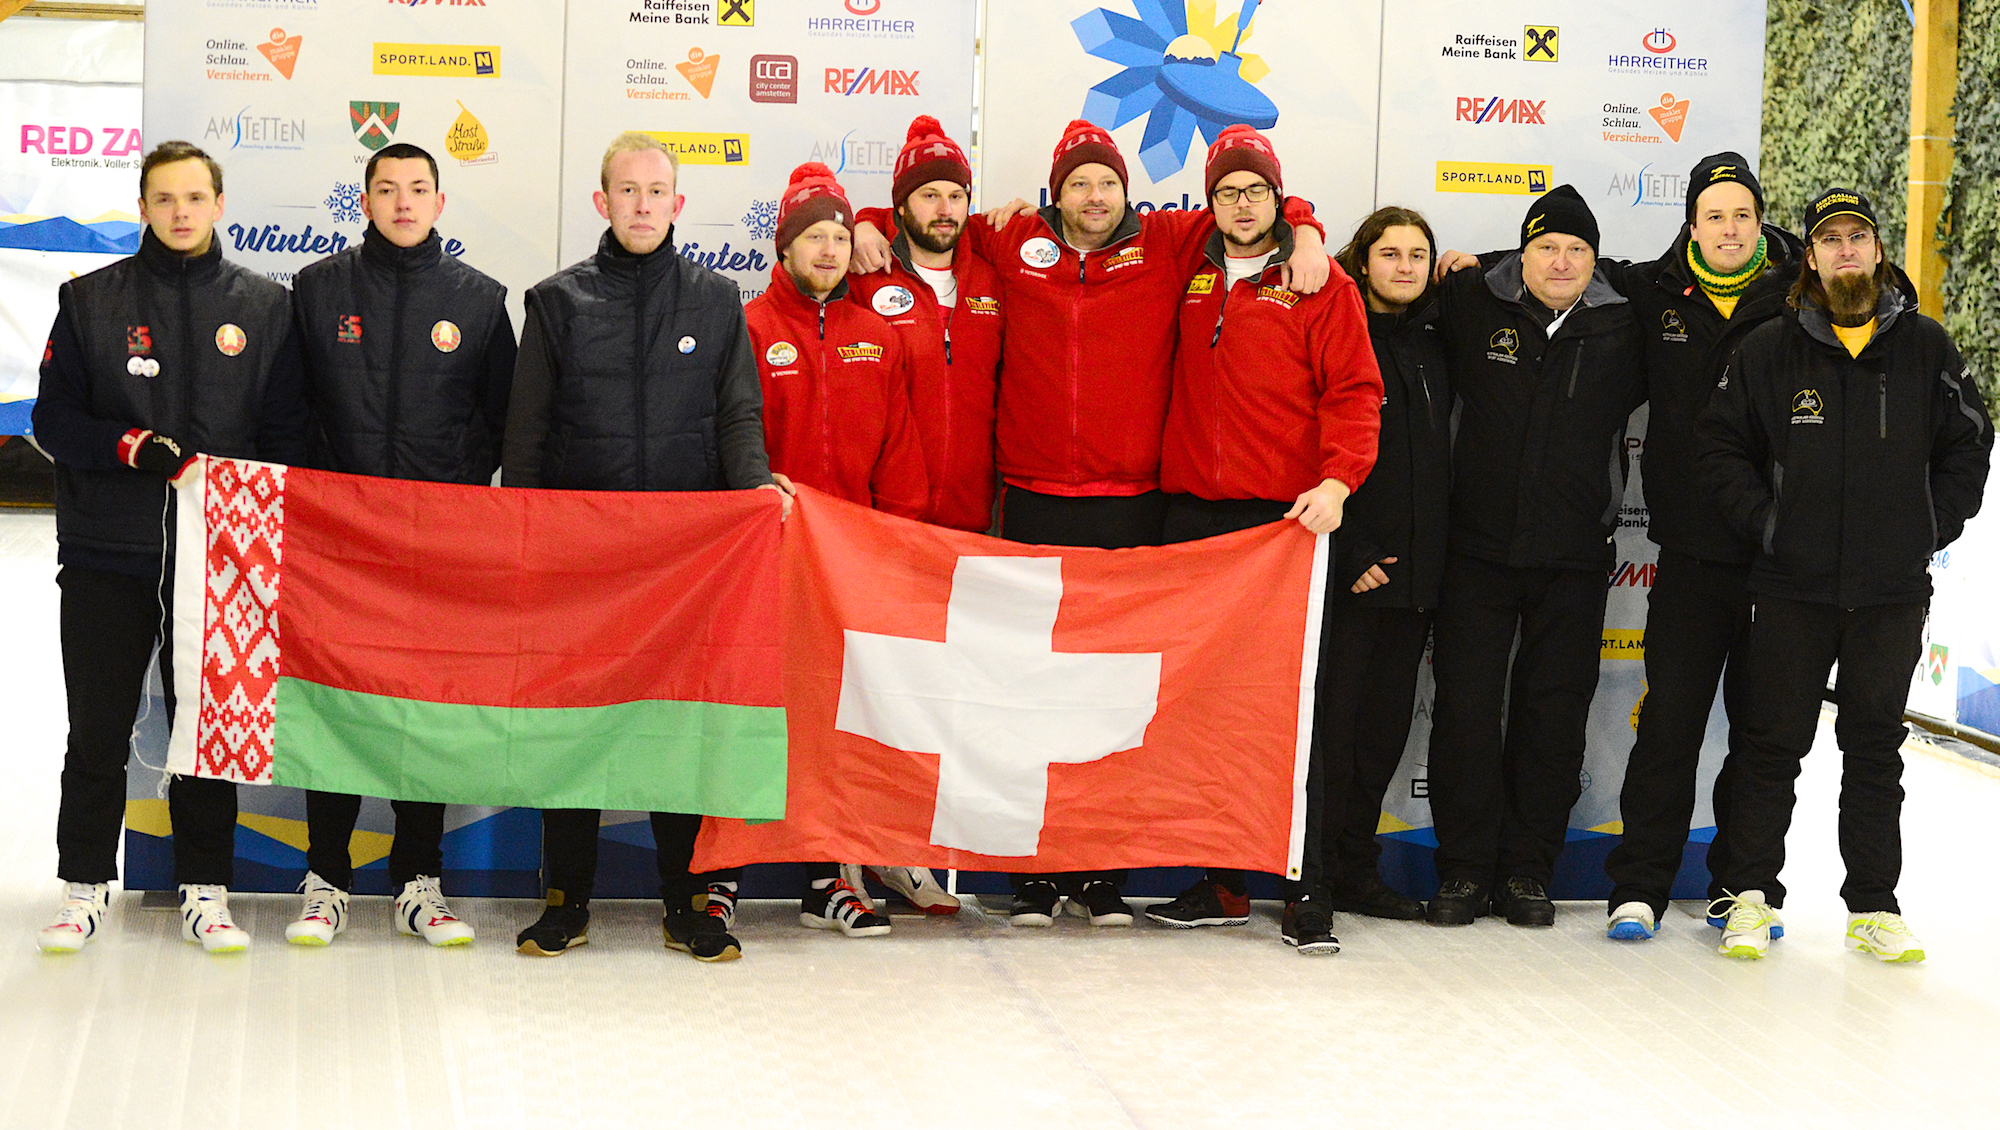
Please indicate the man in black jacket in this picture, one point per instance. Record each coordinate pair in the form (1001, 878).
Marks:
(635, 373)
(152, 359)
(1725, 275)
(1546, 368)
(408, 357)
(1849, 442)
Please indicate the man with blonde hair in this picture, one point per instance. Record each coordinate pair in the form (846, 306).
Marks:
(635, 373)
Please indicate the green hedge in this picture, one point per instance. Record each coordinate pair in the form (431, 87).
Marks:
(1837, 111)
(1972, 208)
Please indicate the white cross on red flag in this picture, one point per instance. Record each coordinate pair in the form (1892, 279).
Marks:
(958, 701)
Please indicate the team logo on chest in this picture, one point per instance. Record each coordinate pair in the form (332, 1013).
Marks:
(1808, 407)
(138, 340)
(349, 329)
(1672, 328)
(893, 300)
(1040, 252)
(1501, 346)
(781, 353)
(229, 339)
(445, 336)
(985, 304)
(859, 351)
(1203, 283)
(1279, 295)
(1130, 257)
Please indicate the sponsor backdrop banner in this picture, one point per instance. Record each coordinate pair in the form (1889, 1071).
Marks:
(69, 177)
(1486, 105)
(1959, 678)
(1165, 76)
(745, 91)
(294, 96)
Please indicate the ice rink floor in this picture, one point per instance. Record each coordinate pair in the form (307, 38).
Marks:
(966, 1022)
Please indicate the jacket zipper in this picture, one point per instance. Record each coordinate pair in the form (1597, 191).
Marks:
(395, 367)
(1575, 363)
(1883, 403)
(639, 374)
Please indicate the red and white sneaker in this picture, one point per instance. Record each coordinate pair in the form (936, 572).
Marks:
(77, 919)
(205, 919)
(421, 912)
(918, 887)
(323, 916)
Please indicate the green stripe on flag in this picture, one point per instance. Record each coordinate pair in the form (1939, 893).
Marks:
(650, 756)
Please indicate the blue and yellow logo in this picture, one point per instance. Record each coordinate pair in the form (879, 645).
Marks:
(1198, 81)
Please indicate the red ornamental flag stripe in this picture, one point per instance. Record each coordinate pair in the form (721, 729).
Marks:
(960, 701)
(432, 641)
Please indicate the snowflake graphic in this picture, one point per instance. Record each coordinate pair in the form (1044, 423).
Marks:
(762, 219)
(345, 203)
(1182, 71)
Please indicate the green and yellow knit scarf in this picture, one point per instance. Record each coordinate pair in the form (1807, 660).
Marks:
(1721, 285)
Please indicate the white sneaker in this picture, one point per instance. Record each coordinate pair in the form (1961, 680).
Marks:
(1631, 922)
(324, 914)
(1882, 934)
(421, 912)
(205, 919)
(850, 873)
(77, 920)
(1746, 924)
(918, 887)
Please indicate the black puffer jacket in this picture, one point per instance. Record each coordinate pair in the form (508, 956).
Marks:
(225, 381)
(1539, 459)
(1402, 510)
(635, 373)
(1848, 472)
(1688, 342)
(409, 354)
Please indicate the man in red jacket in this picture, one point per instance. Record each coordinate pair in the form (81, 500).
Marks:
(836, 416)
(836, 382)
(1090, 287)
(943, 302)
(1276, 407)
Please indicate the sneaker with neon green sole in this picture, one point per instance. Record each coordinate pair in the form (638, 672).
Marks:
(1883, 935)
(1746, 924)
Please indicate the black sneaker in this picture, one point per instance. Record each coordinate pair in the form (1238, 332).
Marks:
(1101, 903)
(1034, 904)
(1459, 902)
(1368, 894)
(836, 907)
(1525, 903)
(1207, 903)
(1308, 926)
(559, 929)
(700, 934)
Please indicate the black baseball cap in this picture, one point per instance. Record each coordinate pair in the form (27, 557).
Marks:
(1838, 202)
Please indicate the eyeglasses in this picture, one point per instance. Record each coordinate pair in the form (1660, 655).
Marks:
(1858, 239)
(1255, 194)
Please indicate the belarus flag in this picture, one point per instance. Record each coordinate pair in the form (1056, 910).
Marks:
(429, 641)
(955, 700)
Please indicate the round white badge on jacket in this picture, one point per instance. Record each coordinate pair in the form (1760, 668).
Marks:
(1040, 251)
(229, 339)
(445, 336)
(893, 300)
(781, 353)
(687, 345)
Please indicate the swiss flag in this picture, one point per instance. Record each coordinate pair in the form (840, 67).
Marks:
(955, 700)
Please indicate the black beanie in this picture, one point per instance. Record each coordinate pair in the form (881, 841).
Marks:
(1720, 168)
(1561, 209)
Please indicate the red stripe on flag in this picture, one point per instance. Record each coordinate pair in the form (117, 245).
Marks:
(530, 598)
(1212, 783)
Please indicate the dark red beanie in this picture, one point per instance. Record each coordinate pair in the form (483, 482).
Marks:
(1084, 144)
(1239, 148)
(928, 155)
(811, 195)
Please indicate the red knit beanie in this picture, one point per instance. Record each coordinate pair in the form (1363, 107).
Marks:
(1084, 144)
(927, 156)
(811, 195)
(1240, 148)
